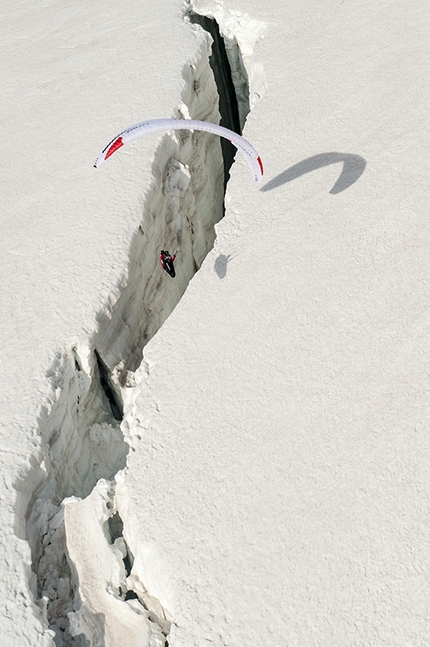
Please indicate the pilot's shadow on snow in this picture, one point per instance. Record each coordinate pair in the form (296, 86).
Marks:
(220, 265)
(353, 168)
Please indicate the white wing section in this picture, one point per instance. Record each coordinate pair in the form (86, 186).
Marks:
(155, 125)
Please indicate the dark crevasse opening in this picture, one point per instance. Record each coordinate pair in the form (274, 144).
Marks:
(228, 104)
(114, 400)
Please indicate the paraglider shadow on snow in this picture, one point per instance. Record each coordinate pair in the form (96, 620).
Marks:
(353, 168)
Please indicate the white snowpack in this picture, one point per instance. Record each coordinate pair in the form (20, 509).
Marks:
(276, 487)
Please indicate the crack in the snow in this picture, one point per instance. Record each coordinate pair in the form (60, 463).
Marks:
(156, 613)
(228, 104)
(109, 390)
(82, 442)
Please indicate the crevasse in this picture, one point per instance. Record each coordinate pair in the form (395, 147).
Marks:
(84, 579)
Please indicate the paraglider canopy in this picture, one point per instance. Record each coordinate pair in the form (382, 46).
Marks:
(155, 125)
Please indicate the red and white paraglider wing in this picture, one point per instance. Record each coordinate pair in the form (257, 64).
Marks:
(156, 125)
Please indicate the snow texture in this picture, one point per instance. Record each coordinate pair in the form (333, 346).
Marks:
(238, 455)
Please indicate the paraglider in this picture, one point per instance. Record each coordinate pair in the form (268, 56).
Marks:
(156, 125)
(167, 261)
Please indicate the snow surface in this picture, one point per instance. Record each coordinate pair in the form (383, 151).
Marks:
(269, 482)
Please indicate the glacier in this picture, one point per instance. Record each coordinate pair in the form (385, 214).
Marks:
(238, 454)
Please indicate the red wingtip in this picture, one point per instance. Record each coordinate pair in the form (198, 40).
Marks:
(261, 165)
(114, 147)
